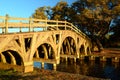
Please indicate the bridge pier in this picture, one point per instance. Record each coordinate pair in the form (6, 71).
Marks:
(54, 67)
(103, 58)
(28, 66)
(42, 65)
(92, 58)
(75, 60)
(81, 57)
(115, 59)
(66, 59)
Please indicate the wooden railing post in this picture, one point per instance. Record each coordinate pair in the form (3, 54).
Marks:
(3, 29)
(57, 24)
(30, 21)
(65, 25)
(71, 26)
(46, 24)
(20, 27)
(6, 23)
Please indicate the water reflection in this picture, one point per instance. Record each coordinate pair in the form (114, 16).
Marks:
(46, 65)
(89, 68)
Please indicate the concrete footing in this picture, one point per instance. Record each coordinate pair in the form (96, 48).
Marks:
(42, 65)
(54, 66)
(92, 58)
(101, 58)
(115, 59)
(28, 66)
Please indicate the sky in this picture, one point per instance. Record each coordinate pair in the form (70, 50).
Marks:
(25, 8)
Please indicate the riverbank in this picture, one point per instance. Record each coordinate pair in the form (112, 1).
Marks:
(41, 74)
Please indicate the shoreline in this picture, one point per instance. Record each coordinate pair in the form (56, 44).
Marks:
(41, 74)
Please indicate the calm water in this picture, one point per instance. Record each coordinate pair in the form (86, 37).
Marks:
(89, 68)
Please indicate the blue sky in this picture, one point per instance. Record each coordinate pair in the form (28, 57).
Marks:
(24, 8)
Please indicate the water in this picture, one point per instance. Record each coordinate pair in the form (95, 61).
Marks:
(46, 65)
(94, 69)
(88, 68)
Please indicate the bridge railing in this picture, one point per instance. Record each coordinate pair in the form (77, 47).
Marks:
(7, 23)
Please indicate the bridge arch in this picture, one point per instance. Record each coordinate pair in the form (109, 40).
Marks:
(88, 50)
(68, 46)
(82, 50)
(11, 57)
(45, 51)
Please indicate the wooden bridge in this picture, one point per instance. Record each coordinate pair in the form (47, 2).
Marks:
(25, 40)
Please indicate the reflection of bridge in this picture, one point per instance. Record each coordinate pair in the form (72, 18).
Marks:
(44, 40)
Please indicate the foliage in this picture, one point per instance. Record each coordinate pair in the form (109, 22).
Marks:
(115, 36)
(41, 13)
(60, 11)
(93, 17)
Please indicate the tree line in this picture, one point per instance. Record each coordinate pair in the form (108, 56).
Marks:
(99, 19)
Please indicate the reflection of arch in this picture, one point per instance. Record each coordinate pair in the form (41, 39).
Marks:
(45, 51)
(82, 49)
(11, 57)
(68, 46)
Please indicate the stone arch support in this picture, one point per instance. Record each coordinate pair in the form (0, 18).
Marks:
(13, 61)
(3, 59)
(68, 46)
(45, 51)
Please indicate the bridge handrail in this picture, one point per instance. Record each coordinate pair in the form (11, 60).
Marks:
(15, 22)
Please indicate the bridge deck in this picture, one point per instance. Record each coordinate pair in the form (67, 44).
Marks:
(111, 53)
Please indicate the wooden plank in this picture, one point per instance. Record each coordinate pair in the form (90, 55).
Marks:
(69, 56)
(51, 61)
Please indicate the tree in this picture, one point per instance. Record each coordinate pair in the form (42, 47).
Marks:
(95, 17)
(42, 13)
(60, 11)
(115, 33)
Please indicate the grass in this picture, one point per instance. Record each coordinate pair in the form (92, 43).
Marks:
(41, 74)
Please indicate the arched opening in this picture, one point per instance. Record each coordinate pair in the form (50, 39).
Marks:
(7, 57)
(18, 58)
(68, 46)
(45, 51)
(82, 49)
(88, 50)
(11, 57)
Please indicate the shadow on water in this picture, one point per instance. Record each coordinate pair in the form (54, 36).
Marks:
(88, 68)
